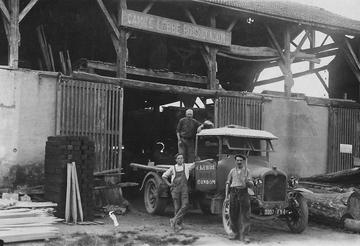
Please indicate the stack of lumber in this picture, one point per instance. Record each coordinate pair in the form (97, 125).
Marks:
(61, 150)
(336, 198)
(19, 225)
(73, 200)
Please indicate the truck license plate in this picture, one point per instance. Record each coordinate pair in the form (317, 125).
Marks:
(271, 211)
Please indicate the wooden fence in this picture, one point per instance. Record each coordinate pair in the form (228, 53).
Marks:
(93, 110)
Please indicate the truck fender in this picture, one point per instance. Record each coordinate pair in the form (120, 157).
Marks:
(163, 187)
(303, 190)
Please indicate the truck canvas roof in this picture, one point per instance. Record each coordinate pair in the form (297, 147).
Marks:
(237, 131)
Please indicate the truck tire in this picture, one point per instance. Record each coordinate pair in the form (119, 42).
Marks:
(153, 203)
(297, 220)
(226, 216)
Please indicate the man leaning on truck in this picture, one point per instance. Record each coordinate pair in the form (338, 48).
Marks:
(179, 190)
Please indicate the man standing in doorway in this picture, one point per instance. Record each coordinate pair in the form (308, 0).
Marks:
(186, 131)
(239, 179)
(179, 190)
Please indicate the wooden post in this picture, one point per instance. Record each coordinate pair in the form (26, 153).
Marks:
(121, 73)
(289, 80)
(212, 66)
(14, 34)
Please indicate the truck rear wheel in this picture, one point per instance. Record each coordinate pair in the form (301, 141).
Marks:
(226, 216)
(153, 203)
(297, 220)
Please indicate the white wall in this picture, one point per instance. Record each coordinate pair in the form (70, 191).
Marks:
(302, 130)
(27, 117)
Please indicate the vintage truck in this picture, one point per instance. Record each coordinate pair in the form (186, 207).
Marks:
(274, 193)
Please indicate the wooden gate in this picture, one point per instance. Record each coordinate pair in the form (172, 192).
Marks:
(93, 110)
(343, 143)
(239, 111)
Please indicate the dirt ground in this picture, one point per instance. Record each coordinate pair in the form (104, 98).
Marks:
(137, 228)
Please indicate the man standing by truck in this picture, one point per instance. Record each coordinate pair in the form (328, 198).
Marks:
(179, 190)
(186, 130)
(239, 179)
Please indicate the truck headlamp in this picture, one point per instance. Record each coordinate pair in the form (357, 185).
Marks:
(258, 182)
(293, 182)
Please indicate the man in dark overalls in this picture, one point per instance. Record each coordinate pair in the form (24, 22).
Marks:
(179, 189)
(239, 179)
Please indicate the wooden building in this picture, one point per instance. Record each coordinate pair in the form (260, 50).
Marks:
(104, 68)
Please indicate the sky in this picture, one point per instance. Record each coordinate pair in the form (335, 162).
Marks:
(310, 85)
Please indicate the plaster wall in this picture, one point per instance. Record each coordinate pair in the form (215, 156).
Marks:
(302, 131)
(27, 117)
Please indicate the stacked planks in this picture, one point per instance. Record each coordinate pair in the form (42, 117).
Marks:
(73, 199)
(23, 224)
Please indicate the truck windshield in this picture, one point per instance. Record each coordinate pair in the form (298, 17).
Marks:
(232, 145)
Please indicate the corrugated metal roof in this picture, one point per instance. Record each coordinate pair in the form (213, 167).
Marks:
(291, 11)
(237, 132)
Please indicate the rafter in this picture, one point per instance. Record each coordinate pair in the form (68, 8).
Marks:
(27, 9)
(5, 11)
(298, 47)
(296, 75)
(322, 81)
(109, 19)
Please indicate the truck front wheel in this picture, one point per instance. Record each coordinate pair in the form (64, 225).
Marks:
(226, 216)
(297, 219)
(153, 203)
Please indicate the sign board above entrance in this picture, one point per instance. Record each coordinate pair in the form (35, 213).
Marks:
(152, 23)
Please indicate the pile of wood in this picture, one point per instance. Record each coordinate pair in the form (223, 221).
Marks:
(24, 224)
(335, 199)
(73, 205)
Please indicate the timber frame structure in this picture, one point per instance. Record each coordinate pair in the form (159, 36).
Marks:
(220, 46)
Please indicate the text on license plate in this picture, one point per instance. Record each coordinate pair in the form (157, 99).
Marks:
(271, 211)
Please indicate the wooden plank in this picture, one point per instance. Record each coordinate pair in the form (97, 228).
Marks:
(62, 61)
(29, 220)
(51, 58)
(121, 185)
(68, 193)
(77, 192)
(28, 236)
(73, 195)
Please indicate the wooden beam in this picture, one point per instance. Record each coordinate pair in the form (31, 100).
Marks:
(109, 19)
(298, 47)
(14, 35)
(275, 43)
(6, 27)
(296, 75)
(150, 86)
(147, 73)
(322, 81)
(4, 11)
(27, 9)
(232, 24)
(212, 68)
(261, 52)
(348, 46)
(312, 39)
(121, 73)
(191, 17)
(289, 80)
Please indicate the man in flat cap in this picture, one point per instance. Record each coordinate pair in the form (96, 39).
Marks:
(239, 179)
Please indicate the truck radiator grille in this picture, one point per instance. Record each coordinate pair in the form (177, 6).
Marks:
(275, 188)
